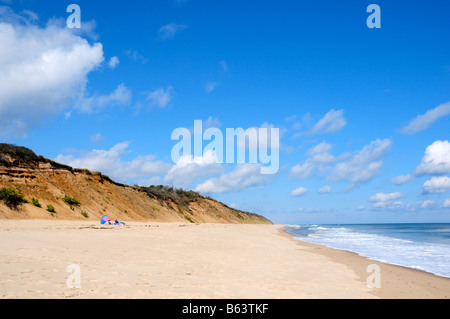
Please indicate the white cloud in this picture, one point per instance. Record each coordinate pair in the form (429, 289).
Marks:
(136, 56)
(436, 159)
(167, 32)
(386, 201)
(299, 192)
(440, 184)
(113, 62)
(325, 189)
(402, 179)
(161, 97)
(332, 122)
(120, 96)
(357, 167)
(243, 176)
(189, 168)
(422, 122)
(446, 203)
(385, 197)
(428, 204)
(362, 166)
(319, 160)
(389, 205)
(44, 69)
(109, 162)
(320, 149)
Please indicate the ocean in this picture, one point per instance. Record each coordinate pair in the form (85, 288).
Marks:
(424, 247)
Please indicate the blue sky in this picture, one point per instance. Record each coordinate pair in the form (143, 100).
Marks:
(364, 114)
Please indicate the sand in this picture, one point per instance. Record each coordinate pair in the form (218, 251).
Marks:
(178, 260)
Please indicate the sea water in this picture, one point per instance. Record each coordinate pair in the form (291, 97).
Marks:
(424, 247)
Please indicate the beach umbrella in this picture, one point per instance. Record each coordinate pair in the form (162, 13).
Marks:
(104, 220)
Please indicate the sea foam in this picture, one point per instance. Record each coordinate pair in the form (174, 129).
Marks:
(424, 247)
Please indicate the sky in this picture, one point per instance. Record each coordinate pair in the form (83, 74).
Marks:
(363, 113)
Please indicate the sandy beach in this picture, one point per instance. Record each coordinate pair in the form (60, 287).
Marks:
(183, 260)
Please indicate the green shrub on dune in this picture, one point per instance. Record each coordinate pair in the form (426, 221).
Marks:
(72, 201)
(35, 202)
(11, 197)
(50, 208)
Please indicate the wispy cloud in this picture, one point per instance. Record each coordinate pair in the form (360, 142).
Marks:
(385, 197)
(429, 204)
(243, 176)
(357, 167)
(446, 203)
(120, 96)
(386, 201)
(223, 66)
(136, 56)
(168, 31)
(160, 97)
(110, 162)
(97, 138)
(332, 122)
(422, 122)
(320, 160)
(402, 179)
(325, 189)
(113, 62)
(301, 191)
(363, 165)
(210, 86)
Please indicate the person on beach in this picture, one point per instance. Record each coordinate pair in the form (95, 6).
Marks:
(118, 222)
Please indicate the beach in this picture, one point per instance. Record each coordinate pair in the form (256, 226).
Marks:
(44, 259)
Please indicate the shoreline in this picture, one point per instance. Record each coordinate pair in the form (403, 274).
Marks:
(396, 281)
(157, 260)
